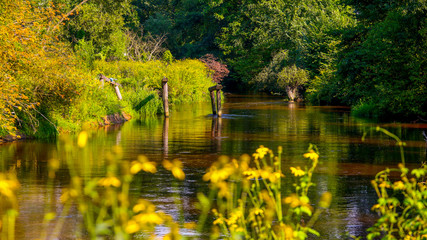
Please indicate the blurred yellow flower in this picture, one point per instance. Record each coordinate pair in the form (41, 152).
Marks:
(251, 174)
(288, 231)
(132, 227)
(312, 155)
(297, 171)
(82, 139)
(143, 164)
(261, 152)
(175, 167)
(292, 200)
(8, 184)
(150, 218)
(399, 185)
(216, 175)
(109, 181)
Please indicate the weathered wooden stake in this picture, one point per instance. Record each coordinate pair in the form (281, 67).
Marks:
(115, 85)
(218, 101)
(213, 102)
(119, 96)
(216, 108)
(165, 96)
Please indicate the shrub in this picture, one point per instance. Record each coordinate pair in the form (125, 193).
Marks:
(220, 70)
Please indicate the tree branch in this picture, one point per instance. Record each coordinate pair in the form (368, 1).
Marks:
(69, 13)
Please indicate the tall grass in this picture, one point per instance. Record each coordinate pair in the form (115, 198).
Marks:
(188, 80)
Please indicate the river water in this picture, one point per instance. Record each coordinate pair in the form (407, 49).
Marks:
(191, 134)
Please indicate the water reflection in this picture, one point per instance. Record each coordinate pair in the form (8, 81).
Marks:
(347, 164)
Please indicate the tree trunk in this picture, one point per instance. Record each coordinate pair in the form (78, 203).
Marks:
(292, 93)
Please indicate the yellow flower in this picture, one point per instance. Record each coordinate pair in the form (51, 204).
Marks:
(325, 200)
(217, 175)
(150, 218)
(8, 185)
(218, 221)
(82, 139)
(312, 155)
(190, 225)
(297, 171)
(175, 167)
(132, 227)
(251, 174)
(143, 164)
(292, 200)
(109, 181)
(223, 190)
(399, 185)
(261, 152)
(288, 231)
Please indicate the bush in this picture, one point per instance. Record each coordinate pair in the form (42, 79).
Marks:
(187, 79)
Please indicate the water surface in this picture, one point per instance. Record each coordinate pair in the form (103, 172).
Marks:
(191, 134)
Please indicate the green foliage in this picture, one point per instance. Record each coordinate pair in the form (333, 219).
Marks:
(291, 78)
(402, 202)
(384, 60)
(167, 57)
(101, 22)
(86, 52)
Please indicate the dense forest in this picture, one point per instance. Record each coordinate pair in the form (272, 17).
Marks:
(370, 55)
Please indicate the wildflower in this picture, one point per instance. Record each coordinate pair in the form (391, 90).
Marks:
(132, 227)
(216, 175)
(399, 185)
(109, 181)
(292, 200)
(190, 225)
(297, 171)
(150, 218)
(325, 200)
(251, 174)
(8, 185)
(261, 152)
(175, 167)
(143, 164)
(82, 139)
(384, 185)
(312, 155)
(218, 221)
(288, 231)
(257, 211)
(224, 190)
(143, 206)
(233, 218)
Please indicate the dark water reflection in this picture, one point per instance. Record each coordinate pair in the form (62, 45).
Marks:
(193, 136)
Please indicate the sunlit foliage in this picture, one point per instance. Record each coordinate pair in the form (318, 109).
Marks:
(37, 71)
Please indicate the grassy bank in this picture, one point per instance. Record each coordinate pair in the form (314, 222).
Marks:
(80, 100)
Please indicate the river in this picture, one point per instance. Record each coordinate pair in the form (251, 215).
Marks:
(191, 134)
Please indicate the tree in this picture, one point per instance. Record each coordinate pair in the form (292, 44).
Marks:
(292, 78)
(382, 67)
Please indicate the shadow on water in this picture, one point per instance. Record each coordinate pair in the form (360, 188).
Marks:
(347, 164)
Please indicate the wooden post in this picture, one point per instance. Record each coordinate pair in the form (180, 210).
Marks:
(211, 91)
(165, 96)
(119, 96)
(218, 100)
(216, 109)
(113, 83)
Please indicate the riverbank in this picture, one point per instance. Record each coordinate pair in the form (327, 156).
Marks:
(89, 102)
